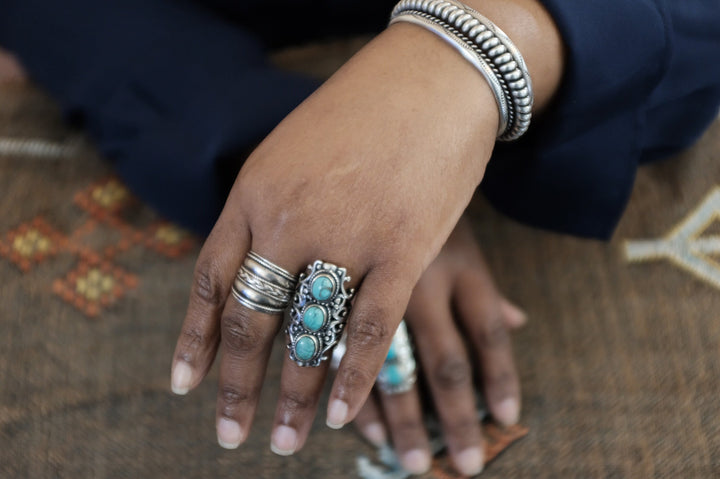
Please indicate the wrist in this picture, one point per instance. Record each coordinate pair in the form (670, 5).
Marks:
(423, 58)
(435, 76)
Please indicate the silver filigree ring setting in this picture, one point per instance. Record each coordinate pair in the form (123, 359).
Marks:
(398, 373)
(318, 313)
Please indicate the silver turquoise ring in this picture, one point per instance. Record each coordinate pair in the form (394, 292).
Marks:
(318, 313)
(263, 286)
(398, 372)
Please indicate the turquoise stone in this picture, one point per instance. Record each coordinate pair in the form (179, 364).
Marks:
(305, 348)
(393, 375)
(392, 354)
(322, 288)
(314, 318)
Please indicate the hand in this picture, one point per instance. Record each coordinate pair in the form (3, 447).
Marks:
(454, 299)
(371, 173)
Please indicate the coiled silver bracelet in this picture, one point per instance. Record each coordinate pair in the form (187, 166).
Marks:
(487, 48)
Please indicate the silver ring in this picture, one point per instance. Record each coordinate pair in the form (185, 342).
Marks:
(318, 313)
(398, 373)
(263, 286)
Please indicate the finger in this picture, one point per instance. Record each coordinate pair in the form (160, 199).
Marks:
(370, 422)
(515, 317)
(299, 394)
(404, 418)
(301, 385)
(246, 340)
(376, 314)
(448, 371)
(480, 312)
(214, 273)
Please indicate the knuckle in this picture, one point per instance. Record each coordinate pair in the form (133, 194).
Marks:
(353, 379)
(239, 335)
(500, 381)
(408, 427)
(231, 398)
(193, 338)
(280, 221)
(207, 285)
(465, 427)
(369, 328)
(493, 333)
(399, 221)
(294, 401)
(452, 372)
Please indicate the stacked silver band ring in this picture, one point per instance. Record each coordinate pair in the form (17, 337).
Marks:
(398, 373)
(318, 313)
(263, 286)
(487, 48)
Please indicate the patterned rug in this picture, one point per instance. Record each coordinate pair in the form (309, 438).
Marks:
(619, 362)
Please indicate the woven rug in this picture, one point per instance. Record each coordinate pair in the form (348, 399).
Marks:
(619, 362)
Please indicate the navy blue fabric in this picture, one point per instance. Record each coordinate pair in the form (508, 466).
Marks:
(642, 82)
(170, 92)
(175, 93)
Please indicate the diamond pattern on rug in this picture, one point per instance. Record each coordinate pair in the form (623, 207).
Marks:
(168, 240)
(97, 281)
(92, 287)
(31, 243)
(104, 199)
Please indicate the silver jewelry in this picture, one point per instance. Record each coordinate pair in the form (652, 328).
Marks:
(318, 313)
(398, 373)
(487, 48)
(263, 286)
(338, 353)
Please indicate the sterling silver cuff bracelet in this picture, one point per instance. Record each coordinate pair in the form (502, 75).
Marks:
(487, 48)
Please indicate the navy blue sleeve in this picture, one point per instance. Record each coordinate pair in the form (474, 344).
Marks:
(642, 80)
(170, 92)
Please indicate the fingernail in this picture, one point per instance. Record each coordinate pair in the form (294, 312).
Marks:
(517, 316)
(375, 433)
(416, 461)
(284, 441)
(181, 378)
(229, 433)
(507, 412)
(337, 414)
(470, 461)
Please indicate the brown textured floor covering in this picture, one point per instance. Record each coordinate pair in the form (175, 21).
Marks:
(619, 361)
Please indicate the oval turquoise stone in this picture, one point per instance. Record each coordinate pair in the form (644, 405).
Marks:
(322, 288)
(314, 318)
(393, 375)
(305, 348)
(392, 354)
